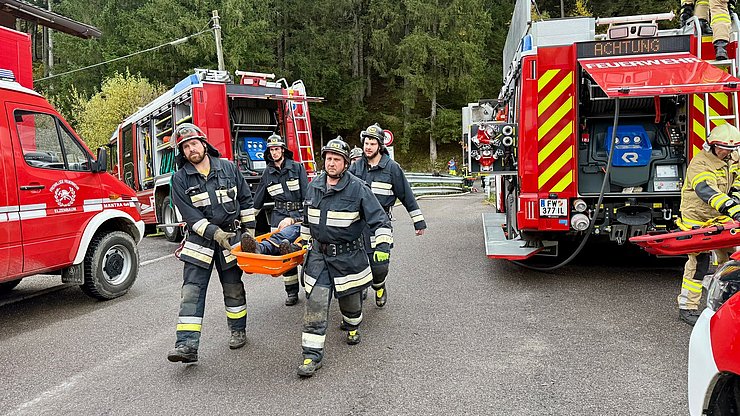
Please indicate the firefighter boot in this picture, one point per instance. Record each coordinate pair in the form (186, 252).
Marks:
(183, 354)
(720, 53)
(309, 367)
(706, 28)
(687, 10)
(353, 337)
(249, 244)
(381, 296)
(238, 339)
(292, 299)
(690, 316)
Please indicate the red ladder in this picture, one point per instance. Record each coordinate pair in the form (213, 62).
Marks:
(302, 125)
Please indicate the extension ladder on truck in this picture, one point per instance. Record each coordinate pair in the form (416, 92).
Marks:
(302, 125)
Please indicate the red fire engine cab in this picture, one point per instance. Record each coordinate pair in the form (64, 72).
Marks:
(237, 118)
(591, 134)
(60, 211)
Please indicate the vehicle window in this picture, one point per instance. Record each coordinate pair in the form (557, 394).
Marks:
(44, 148)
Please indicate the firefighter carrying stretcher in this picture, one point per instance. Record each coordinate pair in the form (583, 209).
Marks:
(284, 182)
(712, 190)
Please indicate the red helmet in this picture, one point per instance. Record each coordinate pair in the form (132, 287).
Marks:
(187, 131)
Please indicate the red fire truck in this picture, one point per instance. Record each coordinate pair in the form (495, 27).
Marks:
(236, 117)
(591, 134)
(60, 211)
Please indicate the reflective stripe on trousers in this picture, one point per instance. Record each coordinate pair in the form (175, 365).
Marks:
(697, 266)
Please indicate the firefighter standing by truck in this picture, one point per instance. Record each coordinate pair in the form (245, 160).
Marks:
(339, 207)
(388, 182)
(712, 189)
(216, 204)
(719, 27)
(284, 182)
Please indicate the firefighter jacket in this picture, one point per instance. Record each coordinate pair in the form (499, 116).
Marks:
(334, 221)
(221, 200)
(705, 193)
(286, 186)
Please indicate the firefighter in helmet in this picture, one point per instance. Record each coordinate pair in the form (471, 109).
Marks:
(355, 154)
(720, 10)
(388, 182)
(284, 182)
(216, 204)
(711, 190)
(339, 207)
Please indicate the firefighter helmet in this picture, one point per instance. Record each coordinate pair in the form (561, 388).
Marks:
(338, 146)
(355, 153)
(374, 132)
(725, 136)
(187, 131)
(276, 141)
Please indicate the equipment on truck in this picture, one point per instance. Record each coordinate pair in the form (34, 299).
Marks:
(591, 134)
(237, 118)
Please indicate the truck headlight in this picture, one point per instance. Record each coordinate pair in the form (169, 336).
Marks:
(723, 284)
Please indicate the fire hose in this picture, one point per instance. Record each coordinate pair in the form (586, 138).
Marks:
(598, 204)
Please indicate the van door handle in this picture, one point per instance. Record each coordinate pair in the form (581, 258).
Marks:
(32, 187)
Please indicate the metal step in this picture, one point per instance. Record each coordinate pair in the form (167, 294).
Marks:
(498, 247)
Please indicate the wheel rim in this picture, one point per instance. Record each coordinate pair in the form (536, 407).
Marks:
(169, 218)
(117, 264)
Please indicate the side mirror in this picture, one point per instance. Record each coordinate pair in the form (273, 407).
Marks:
(101, 165)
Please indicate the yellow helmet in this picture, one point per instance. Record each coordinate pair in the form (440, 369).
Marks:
(725, 136)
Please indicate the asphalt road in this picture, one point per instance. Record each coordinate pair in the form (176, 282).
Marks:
(461, 334)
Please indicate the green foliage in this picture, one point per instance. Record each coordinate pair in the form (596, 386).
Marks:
(120, 96)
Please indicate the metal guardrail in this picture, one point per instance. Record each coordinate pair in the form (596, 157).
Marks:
(431, 184)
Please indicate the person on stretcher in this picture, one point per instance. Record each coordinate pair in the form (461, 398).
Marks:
(285, 241)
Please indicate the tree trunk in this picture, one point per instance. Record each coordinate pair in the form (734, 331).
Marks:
(432, 141)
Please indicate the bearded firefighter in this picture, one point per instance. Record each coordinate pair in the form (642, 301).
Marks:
(712, 190)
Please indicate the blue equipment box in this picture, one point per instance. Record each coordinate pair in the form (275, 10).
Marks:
(255, 147)
(632, 146)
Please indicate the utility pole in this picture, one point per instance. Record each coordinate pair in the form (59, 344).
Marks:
(50, 69)
(562, 8)
(217, 34)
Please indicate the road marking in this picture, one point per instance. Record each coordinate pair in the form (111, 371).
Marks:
(148, 262)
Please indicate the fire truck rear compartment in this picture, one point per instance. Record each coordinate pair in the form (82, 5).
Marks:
(252, 122)
(648, 166)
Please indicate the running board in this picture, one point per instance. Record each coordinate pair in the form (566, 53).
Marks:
(499, 247)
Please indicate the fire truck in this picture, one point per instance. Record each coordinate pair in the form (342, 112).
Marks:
(60, 211)
(237, 118)
(591, 134)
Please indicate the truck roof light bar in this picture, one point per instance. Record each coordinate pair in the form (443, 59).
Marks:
(635, 19)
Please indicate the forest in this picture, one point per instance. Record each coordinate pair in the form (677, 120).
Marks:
(409, 65)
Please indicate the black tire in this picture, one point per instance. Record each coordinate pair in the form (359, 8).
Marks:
(6, 287)
(169, 216)
(111, 265)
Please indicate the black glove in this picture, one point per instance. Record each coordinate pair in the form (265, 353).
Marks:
(686, 12)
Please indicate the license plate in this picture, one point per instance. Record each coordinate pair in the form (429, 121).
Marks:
(553, 207)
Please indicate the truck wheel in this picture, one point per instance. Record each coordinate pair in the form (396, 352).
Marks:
(173, 234)
(6, 287)
(111, 265)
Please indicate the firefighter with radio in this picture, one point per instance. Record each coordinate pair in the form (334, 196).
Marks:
(711, 191)
(720, 11)
(339, 207)
(216, 204)
(388, 182)
(284, 182)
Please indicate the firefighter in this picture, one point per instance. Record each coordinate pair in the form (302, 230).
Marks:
(388, 182)
(339, 207)
(284, 182)
(354, 155)
(720, 10)
(216, 204)
(712, 189)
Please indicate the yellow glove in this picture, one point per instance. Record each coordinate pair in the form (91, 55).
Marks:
(380, 256)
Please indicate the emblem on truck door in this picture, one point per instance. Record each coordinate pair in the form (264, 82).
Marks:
(65, 192)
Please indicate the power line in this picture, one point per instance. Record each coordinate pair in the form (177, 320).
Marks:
(173, 43)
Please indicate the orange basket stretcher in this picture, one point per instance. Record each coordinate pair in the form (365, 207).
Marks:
(691, 241)
(266, 264)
